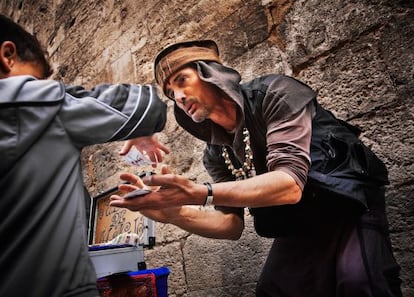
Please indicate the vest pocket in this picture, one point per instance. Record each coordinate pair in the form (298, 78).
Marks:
(348, 157)
(336, 153)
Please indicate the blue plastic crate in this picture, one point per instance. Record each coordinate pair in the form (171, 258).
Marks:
(142, 283)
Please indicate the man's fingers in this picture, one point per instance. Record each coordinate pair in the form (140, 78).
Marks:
(128, 187)
(164, 148)
(132, 178)
(125, 148)
(165, 170)
(155, 157)
(165, 179)
(115, 198)
(116, 202)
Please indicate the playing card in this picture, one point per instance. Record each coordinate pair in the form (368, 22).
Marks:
(135, 157)
(136, 193)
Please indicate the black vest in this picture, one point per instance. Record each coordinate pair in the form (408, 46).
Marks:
(342, 172)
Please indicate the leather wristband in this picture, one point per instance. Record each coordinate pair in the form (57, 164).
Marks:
(209, 198)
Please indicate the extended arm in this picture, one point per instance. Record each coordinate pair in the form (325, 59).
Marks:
(111, 113)
(272, 188)
(212, 224)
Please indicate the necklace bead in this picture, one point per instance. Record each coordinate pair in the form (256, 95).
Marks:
(248, 169)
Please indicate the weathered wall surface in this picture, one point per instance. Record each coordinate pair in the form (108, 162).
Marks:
(359, 55)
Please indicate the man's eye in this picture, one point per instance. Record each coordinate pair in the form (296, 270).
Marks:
(181, 79)
(170, 94)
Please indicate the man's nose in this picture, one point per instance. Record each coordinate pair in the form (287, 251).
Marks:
(179, 97)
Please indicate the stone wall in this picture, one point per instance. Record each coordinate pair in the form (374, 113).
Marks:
(357, 54)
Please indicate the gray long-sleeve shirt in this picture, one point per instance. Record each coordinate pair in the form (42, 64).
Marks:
(43, 127)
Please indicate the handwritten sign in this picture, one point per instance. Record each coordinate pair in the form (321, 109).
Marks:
(107, 222)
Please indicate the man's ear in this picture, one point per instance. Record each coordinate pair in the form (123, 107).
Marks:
(8, 56)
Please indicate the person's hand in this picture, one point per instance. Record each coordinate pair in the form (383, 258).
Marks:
(172, 190)
(148, 144)
(135, 182)
(170, 203)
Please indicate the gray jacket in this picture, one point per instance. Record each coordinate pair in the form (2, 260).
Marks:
(43, 127)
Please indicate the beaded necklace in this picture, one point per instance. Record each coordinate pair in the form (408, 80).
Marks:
(248, 169)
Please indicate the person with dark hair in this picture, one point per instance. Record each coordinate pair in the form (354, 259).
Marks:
(44, 125)
(304, 175)
(28, 47)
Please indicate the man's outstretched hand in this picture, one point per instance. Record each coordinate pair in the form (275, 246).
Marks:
(148, 145)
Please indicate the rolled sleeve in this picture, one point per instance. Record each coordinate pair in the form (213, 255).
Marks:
(288, 145)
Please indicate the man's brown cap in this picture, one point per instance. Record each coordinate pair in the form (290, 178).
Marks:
(176, 56)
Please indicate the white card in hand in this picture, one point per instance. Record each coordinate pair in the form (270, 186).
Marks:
(135, 157)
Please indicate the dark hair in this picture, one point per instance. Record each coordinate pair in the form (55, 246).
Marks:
(28, 47)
